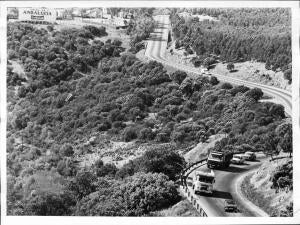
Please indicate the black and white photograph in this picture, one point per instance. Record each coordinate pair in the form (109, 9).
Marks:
(143, 111)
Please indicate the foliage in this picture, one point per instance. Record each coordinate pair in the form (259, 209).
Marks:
(50, 204)
(124, 99)
(157, 160)
(238, 35)
(135, 196)
(230, 66)
(178, 76)
(82, 184)
(282, 177)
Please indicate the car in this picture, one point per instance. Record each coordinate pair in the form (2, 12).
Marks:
(238, 159)
(250, 156)
(230, 206)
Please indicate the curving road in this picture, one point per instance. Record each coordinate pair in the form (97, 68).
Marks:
(225, 188)
(156, 48)
(225, 185)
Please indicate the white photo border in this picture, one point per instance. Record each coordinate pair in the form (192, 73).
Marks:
(12, 220)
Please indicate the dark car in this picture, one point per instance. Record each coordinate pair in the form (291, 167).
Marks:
(230, 206)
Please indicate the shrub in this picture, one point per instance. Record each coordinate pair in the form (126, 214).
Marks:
(50, 204)
(106, 170)
(150, 192)
(230, 66)
(129, 134)
(66, 150)
(213, 80)
(106, 125)
(82, 185)
(255, 93)
(288, 75)
(226, 86)
(146, 134)
(178, 76)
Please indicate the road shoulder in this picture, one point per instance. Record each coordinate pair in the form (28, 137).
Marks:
(243, 200)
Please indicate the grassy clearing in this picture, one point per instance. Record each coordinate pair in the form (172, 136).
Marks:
(257, 187)
(200, 151)
(254, 71)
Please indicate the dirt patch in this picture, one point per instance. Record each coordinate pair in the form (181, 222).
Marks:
(254, 71)
(201, 150)
(18, 68)
(113, 33)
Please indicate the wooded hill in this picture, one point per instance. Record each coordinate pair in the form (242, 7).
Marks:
(238, 35)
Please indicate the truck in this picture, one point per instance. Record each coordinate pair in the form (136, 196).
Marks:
(203, 182)
(219, 160)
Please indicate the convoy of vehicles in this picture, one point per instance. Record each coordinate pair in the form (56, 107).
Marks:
(238, 159)
(203, 182)
(219, 159)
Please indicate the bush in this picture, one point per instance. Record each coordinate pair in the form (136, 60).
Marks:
(82, 185)
(288, 75)
(213, 80)
(178, 76)
(106, 170)
(230, 66)
(129, 134)
(146, 134)
(160, 160)
(50, 204)
(106, 125)
(150, 192)
(66, 150)
(239, 89)
(226, 86)
(255, 93)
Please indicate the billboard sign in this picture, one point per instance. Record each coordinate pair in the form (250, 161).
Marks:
(37, 14)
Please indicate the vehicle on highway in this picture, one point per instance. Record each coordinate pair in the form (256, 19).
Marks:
(189, 181)
(238, 159)
(203, 182)
(250, 156)
(219, 159)
(230, 206)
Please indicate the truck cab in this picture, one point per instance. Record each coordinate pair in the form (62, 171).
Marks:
(203, 182)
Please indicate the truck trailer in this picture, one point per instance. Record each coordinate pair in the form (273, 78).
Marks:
(219, 159)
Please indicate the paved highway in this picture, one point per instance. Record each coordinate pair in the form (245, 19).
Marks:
(225, 180)
(225, 188)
